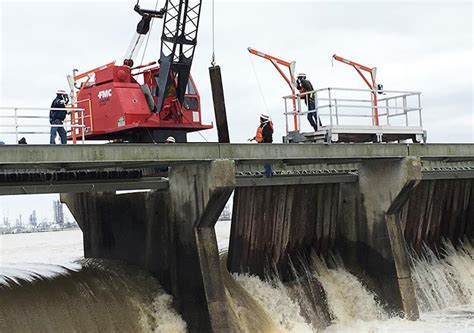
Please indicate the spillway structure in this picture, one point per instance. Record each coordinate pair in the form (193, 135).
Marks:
(370, 203)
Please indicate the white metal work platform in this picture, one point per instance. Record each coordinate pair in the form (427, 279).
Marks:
(356, 115)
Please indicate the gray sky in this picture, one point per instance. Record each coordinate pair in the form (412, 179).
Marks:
(420, 46)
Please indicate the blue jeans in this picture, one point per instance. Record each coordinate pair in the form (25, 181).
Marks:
(313, 116)
(62, 134)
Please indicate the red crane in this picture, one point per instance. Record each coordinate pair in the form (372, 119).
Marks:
(371, 84)
(146, 103)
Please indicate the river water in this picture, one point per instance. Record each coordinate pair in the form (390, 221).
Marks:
(47, 285)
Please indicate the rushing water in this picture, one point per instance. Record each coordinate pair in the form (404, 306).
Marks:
(444, 289)
(46, 285)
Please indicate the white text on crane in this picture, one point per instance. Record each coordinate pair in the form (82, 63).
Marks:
(104, 95)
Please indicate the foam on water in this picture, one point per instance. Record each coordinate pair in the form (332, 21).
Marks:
(15, 273)
(118, 297)
(347, 297)
(444, 289)
(446, 280)
(457, 319)
(274, 298)
(166, 319)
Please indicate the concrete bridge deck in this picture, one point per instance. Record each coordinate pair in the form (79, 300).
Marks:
(75, 157)
(35, 169)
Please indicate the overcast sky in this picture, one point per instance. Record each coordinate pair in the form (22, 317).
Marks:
(416, 46)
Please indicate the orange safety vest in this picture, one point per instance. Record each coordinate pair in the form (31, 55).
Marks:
(259, 135)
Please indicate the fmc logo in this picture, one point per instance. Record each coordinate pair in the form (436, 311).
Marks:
(104, 95)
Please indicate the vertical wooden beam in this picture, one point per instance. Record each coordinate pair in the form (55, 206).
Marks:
(219, 104)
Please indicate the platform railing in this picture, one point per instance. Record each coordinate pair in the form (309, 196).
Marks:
(346, 107)
(20, 121)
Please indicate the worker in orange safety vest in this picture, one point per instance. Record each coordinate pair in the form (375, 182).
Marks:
(264, 130)
(265, 135)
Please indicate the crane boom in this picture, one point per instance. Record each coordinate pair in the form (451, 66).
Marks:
(178, 42)
(290, 80)
(371, 84)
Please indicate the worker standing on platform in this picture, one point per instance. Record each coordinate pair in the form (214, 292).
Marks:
(304, 85)
(264, 135)
(56, 117)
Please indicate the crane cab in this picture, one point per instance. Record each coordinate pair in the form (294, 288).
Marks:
(119, 104)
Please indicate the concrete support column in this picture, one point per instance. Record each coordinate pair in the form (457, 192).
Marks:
(384, 186)
(402, 265)
(199, 192)
(113, 226)
(171, 234)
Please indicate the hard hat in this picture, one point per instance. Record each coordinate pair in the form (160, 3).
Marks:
(170, 139)
(264, 117)
(61, 92)
(301, 75)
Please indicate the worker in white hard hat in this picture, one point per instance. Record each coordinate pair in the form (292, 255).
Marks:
(264, 135)
(57, 114)
(304, 85)
(169, 140)
(264, 131)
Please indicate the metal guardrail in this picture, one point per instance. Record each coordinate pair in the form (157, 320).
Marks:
(348, 109)
(15, 121)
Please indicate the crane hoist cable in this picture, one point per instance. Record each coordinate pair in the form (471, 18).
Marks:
(259, 86)
(149, 34)
(213, 60)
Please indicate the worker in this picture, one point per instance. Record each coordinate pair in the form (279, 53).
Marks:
(265, 135)
(56, 117)
(170, 139)
(304, 85)
(264, 130)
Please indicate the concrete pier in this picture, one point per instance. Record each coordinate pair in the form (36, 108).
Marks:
(171, 233)
(375, 239)
(366, 202)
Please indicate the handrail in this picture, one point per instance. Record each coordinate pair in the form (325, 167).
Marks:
(69, 125)
(356, 89)
(336, 104)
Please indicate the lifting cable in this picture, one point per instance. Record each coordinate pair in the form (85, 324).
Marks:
(213, 61)
(259, 86)
(149, 34)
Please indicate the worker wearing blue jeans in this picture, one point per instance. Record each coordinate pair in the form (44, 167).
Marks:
(56, 117)
(304, 85)
(60, 130)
